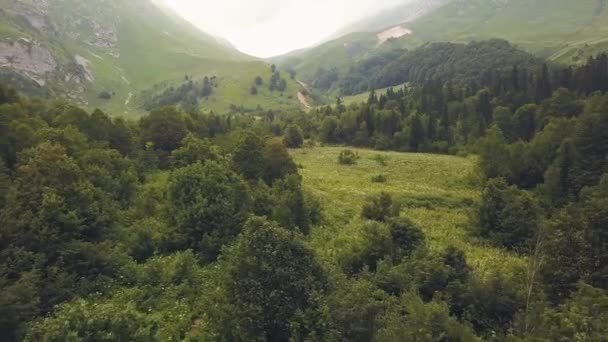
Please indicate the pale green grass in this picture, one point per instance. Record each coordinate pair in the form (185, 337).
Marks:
(437, 193)
(363, 97)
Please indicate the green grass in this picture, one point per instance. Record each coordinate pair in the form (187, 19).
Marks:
(363, 97)
(437, 192)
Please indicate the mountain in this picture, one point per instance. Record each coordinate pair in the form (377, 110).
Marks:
(358, 40)
(559, 30)
(405, 12)
(115, 54)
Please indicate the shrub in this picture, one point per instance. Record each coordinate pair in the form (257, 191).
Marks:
(380, 208)
(105, 95)
(348, 157)
(294, 138)
(380, 159)
(379, 179)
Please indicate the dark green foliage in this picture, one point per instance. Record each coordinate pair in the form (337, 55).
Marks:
(406, 237)
(194, 150)
(493, 304)
(380, 208)
(278, 161)
(277, 83)
(208, 205)
(105, 95)
(347, 157)
(415, 320)
(379, 179)
(582, 317)
(440, 61)
(253, 90)
(186, 95)
(165, 128)
(294, 137)
(507, 216)
(4, 183)
(273, 282)
(248, 156)
(577, 244)
(150, 308)
(356, 307)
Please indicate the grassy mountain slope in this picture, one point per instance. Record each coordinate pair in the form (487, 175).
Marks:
(560, 30)
(403, 13)
(121, 47)
(549, 28)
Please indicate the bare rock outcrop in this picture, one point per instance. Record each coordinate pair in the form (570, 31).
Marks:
(27, 57)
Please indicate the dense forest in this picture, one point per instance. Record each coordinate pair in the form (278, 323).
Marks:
(194, 226)
(440, 62)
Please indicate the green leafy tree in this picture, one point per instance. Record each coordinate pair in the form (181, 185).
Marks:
(166, 128)
(294, 137)
(581, 318)
(194, 150)
(380, 208)
(279, 163)
(248, 158)
(273, 282)
(208, 205)
(348, 157)
(415, 320)
(406, 237)
(508, 216)
(576, 244)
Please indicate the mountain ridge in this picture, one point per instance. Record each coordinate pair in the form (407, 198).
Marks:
(107, 53)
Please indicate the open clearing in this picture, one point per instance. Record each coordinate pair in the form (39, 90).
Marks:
(435, 191)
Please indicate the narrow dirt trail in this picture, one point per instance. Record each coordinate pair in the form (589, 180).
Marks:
(304, 101)
(301, 97)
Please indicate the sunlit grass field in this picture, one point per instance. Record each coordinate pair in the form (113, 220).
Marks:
(437, 192)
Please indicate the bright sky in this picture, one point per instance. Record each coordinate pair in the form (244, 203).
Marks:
(266, 28)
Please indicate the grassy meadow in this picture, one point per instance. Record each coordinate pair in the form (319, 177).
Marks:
(437, 192)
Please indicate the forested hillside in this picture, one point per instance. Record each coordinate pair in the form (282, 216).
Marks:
(559, 31)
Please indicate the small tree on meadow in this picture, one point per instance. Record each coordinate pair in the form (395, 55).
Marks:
(294, 137)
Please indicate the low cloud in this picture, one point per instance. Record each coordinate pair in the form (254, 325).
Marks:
(270, 27)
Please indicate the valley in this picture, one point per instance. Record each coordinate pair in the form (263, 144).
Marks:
(435, 170)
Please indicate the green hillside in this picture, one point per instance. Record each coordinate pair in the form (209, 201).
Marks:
(550, 28)
(121, 48)
(562, 31)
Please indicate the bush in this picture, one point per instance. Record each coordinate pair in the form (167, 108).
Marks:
(294, 138)
(379, 179)
(380, 159)
(348, 157)
(105, 95)
(509, 217)
(380, 208)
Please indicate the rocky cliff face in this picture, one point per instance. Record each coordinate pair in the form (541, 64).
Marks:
(32, 60)
(36, 46)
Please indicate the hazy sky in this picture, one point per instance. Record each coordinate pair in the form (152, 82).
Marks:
(266, 28)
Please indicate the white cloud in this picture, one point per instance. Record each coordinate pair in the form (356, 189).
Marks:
(270, 27)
